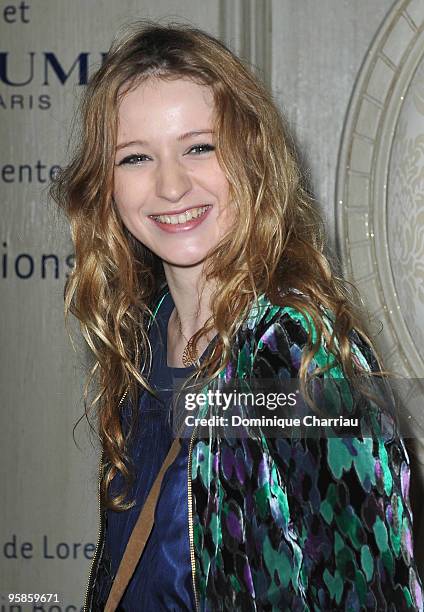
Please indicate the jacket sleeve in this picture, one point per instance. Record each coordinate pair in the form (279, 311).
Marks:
(346, 499)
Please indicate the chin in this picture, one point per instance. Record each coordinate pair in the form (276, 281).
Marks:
(182, 261)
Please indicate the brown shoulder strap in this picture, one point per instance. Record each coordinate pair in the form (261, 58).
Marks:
(139, 535)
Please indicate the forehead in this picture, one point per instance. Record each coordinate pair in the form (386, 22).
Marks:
(170, 105)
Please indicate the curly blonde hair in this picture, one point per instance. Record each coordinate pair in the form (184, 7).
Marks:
(279, 242)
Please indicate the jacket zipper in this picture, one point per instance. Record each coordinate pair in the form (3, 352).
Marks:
(190, 522)
(93, 562)
(98, 538)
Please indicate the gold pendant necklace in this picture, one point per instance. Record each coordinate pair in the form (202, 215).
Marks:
(190, 354)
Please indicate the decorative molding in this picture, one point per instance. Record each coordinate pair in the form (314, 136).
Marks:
(367, 205)
(246, 28)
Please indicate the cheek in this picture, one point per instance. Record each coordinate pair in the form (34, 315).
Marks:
(124, 208)
(227, 211)
(126, 195)
(118, 196)
(121, 204)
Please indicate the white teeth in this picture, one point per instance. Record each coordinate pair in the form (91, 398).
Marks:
(181, 218)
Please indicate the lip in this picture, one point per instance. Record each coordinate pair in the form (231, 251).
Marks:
(179, 211)
(181, 227)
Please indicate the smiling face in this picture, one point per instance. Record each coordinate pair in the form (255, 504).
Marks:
(169, 189)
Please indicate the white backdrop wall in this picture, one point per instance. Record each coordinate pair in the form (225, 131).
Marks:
(310, 53)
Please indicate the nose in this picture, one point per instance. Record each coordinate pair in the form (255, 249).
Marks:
(172, 181)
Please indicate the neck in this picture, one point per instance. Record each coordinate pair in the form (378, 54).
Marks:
(191, 297)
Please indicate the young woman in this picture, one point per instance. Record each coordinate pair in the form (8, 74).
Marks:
(199, 255)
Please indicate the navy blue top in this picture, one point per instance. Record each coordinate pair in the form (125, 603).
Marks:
(163, 577)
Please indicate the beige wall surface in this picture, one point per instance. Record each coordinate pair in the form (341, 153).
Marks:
(317, 51)
(311, 52)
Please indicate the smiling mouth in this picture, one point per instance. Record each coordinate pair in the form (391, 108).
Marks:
(181, 218)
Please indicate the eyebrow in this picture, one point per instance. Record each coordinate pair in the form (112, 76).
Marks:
(182, 137)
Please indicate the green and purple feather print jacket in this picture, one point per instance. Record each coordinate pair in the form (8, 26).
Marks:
(297, 523)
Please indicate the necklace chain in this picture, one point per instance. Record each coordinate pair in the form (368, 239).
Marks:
(190, 354)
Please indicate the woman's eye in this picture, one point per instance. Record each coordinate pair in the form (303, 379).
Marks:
(135, 160)
(202, 148)
(132, 160)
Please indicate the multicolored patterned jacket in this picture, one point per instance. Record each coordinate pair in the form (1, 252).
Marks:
(295, 523)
